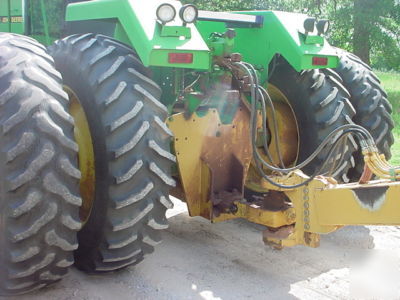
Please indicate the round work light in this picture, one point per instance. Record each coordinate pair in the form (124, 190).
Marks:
(309, 24)
(323, 26)
(166, 13)
(189, 13)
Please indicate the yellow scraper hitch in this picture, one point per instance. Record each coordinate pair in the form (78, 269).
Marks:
(323, 206)
(215, 166)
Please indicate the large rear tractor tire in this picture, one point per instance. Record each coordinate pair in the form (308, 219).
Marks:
(130, 146)
(320, 104)
(373, 110)
(39, 195)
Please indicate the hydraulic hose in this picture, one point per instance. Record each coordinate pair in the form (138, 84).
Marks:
(316, 173)
(268, 99)
(336, 138)
(316, 152)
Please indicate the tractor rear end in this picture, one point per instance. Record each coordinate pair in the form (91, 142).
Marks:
(241, 115)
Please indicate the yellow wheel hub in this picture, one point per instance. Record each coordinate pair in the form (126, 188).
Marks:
(86, 154)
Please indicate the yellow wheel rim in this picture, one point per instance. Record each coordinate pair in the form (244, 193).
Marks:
(288, 129)
(289, 139)
(85, 155)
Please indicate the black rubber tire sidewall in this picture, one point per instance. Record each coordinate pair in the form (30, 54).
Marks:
(39, 201)
(373, 110)
(306, 92)
(74, 56)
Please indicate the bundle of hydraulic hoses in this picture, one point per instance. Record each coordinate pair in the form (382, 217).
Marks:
(376, 163)
(379, 166)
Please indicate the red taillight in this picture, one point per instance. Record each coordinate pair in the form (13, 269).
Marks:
(320, 61)
(180, 58)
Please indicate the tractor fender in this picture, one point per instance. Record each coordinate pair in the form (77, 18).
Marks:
(134, 22)
(281, 33)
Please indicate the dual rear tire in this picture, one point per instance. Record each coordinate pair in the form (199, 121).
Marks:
(132, 162)
(323, 100)
(320, 105)
(41, 209)
(39, 196)
(373, 110)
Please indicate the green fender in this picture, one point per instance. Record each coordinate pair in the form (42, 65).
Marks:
(135, 23)
(282, 33)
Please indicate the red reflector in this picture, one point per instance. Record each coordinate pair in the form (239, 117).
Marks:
(320, 61)
(180, 58)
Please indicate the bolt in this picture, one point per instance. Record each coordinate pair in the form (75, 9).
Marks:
(291, 217)
(306, 205)
(218, 134)
(233, 209)
(306, 226)
(236, 57)
(230, 33)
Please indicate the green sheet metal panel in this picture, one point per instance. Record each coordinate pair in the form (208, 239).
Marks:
(5, 16)
(17, 16)
(138, 26)
(11, 16)
(281, 33)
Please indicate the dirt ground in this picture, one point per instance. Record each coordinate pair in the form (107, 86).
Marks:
(199, 260)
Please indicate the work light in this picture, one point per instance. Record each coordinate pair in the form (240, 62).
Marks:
(309, 24)
(323, 26)
(189, 13)
(166, 13)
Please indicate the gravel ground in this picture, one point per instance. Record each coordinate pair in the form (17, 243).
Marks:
(199, 260)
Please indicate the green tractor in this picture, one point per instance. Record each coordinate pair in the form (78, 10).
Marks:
(241, 115)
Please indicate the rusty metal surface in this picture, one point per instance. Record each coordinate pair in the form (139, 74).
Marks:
(271, 200)
(224, 202)
(278, 233)
(213, 158)
(227, 153)
(256, 214)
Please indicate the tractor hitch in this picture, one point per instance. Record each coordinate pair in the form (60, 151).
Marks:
(214, 161)
(324, 206)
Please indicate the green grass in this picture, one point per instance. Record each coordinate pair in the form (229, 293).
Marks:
(391, 83)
